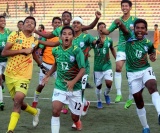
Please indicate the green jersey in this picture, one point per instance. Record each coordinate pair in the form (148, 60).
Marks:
(3, 40)
(101, 56)
(122, 38)
(69, 62)
(57, 31)
(136, 54)
(84, 42)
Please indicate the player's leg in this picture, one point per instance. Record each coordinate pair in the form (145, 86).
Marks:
(40, 86)
(98, 77)
(108, 76)
(59, 98)
(2, 66)
(120, 60)
(151, 84)
(75, 105)
(137, 89)
(86, 103)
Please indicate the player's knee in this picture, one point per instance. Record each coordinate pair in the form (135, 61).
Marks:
(118, 69)
(151, 85)
(56, 112)
(17, 105)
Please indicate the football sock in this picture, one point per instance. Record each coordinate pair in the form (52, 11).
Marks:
(107, 90)
(130, 97)
(84, 102)
(55, 124)
(142, 117)
(13, 121)
(98, 94)
(156, 101)
(36, 96)
(1, 95)
(31, 110)
(118, 81)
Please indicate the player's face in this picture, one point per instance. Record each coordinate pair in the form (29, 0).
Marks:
(102, 26)
(39, 28)
(67, 37)
(77, 26)
(125, 8)
(155, 27)
(66, 19)
(29, 25)
(56, 23)
(140, 31)
(2, 22)
(20, 26)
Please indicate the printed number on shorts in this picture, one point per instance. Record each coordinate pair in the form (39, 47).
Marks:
(23, 85)
(138, 54)
(151, 72)
(77, 106)
(64, 66)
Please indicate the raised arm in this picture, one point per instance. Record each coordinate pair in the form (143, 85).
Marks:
(121, 26)
(93, 24)
(48, 35)
(49, 43)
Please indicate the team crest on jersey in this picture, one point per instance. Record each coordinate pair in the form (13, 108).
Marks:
(131, 26)
(146, 48)
(81, 44)
(72, 58)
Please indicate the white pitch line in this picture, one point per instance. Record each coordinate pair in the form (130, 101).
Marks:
(148, 104)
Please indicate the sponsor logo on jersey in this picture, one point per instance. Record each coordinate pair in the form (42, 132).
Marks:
(81, 44)
(72, 58)
(131, 26)
(146, 48)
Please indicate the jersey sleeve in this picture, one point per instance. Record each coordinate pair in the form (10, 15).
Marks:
(111, 42)
(112, 27)
(90, 39)
(56, 32)
(80, 58)
(12, 37)
(41, 45)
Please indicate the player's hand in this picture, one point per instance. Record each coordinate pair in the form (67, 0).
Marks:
(26, 51)
(70, 85)
(98, 14)
(152, 57)
(44, 69)
(45, 80)
(118, 22)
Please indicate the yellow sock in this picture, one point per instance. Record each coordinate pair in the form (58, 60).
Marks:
(31, 110)
(37, 92)
(13, 121)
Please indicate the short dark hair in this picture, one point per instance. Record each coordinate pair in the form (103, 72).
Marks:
(54, 18)
(141, 21)
(42, 26)
(67, 27)
(30, 17)
(100, 23)
(126, 1)
(156, 25)
(20, 21)
(68, 13)
(1, 16)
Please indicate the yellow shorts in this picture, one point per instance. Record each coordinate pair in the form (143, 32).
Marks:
(14, 85)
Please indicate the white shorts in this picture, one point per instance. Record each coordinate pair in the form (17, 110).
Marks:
(2, 67)
(120, 56)
(98, 76)
(73, 99)
(137, 80)
(41, 74)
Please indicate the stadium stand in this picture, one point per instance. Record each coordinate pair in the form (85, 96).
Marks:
(46, 9)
